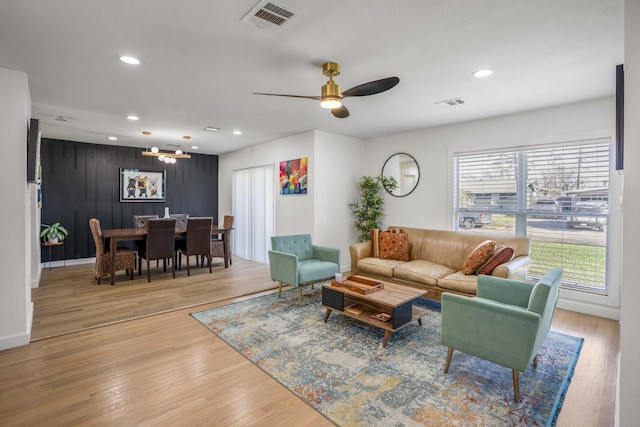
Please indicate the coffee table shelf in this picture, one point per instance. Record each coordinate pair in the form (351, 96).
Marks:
(396, 300)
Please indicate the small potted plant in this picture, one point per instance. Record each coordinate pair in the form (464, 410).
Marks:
(53, 233)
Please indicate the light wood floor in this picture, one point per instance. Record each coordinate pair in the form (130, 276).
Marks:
(167, 369)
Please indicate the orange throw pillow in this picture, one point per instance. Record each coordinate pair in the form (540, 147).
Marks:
(501, 255)
(478, 256)
(394, 245)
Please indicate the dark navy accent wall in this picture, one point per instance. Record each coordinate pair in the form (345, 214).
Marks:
(81, 181)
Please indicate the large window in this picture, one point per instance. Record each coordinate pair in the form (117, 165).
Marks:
(556, 195)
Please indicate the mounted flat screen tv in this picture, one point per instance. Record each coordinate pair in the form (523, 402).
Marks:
(619, 117)
(33, 150)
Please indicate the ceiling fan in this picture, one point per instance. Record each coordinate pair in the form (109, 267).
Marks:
(332, 94)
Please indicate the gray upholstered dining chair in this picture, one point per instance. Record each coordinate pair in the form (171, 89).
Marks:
(196, 243)
(159, 245)
(181, 219)
(140, 221)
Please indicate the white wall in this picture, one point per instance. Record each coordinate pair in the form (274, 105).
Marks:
(16, 310)
(431, 204)
(629, 377)
(333, 173)
(337, 185)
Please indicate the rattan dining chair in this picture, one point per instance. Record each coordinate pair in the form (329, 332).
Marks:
(160, 245)
(217, 244)
(197, 242)
(124, 258)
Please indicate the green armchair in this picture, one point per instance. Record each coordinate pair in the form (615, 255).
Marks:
(506, 323)
(295, 261)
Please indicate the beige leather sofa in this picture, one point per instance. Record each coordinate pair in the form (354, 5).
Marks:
(436, 260)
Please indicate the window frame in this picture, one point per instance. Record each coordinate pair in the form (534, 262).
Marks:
(521, 210)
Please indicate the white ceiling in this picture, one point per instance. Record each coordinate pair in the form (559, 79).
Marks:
(202, 63)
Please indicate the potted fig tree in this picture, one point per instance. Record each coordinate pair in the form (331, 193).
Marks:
(369, 210)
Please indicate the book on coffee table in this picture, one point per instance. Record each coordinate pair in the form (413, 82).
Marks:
(354, 308)
(385, 317)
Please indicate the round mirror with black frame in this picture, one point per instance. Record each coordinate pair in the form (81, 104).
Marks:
(404, 168)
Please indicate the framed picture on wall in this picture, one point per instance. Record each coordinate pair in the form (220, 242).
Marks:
(142, 185)
(293, 176)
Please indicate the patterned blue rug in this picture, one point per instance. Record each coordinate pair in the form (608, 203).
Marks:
(341, 369)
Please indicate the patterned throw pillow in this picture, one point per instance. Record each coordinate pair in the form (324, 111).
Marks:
(501, 255)
(478, 256)
(374, 234)
(394, 245)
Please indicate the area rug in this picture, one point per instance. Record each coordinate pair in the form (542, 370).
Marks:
(341, 369)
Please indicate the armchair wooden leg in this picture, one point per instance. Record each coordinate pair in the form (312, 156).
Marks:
(535, 361)
(516, 385)
(280, 290)
(448, 362)
(299, 295)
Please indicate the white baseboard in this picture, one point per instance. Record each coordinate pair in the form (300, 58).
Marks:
(589, 308)
(62, 263)
(15, 341)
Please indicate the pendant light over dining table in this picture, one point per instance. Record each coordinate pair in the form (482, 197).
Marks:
(166, 156)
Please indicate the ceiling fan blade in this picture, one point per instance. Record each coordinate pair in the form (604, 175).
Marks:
(372, 88)
(317, 98)
(341, 112)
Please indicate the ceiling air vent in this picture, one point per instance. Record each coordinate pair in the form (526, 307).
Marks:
(451, 102)
(269, 15)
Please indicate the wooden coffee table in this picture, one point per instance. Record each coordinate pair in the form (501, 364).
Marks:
(394, 300)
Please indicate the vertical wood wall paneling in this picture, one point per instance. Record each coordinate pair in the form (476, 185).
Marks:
(82, 181)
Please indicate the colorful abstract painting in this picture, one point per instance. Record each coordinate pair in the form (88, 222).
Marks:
(293, 176)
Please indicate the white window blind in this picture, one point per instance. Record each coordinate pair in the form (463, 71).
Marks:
(557, 195)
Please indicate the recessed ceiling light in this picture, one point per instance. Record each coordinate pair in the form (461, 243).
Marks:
(128, 59)
(132, 117)
(482, 73)
(237, 132)
(112, 138)
(194, 147)
(212, 129)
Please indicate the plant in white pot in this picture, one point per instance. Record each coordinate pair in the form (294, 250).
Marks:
(53, 233)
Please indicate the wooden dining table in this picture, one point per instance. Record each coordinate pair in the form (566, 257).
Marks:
(116, 235)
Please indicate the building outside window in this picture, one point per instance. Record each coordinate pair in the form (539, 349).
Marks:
(558, 195)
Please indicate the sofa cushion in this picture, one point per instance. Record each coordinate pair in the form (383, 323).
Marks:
(394, 245)
(478, 256)
(378, 266)
(421, 271)
(502, 254)
(459, 282)
(374, 234)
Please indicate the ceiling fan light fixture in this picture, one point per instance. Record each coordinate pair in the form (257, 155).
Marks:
(331, 95)
(330, 102)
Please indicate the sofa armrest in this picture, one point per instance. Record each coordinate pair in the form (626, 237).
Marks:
(505, 291)
(358, 251)
(283, 267)
(500, 333)
(516, 269)
(327, 254)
